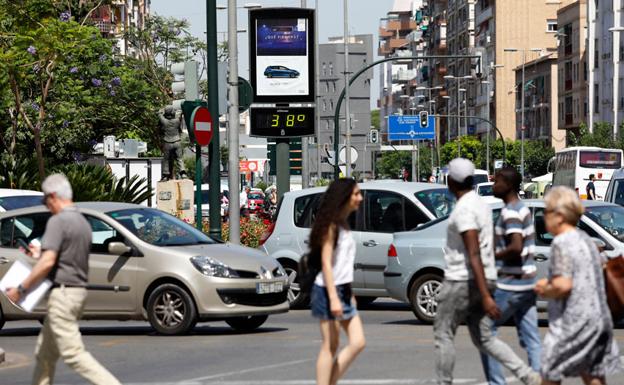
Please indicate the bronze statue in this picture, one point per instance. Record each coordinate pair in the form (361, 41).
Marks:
(171, 129)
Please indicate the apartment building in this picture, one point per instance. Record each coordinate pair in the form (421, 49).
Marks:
(115, 19)
(605, 52)
(438, 45)
(510, 33)
(331, 84)
(399, 37)
(572, 62)
(540, 105)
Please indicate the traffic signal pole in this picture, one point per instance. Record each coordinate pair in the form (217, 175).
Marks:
(213, 106)
(233, 125)
(360, 72)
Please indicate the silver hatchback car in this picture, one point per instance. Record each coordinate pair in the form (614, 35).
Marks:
(415, 266)
(146, 264)
(389, 206)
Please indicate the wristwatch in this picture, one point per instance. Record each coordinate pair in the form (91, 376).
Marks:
(21, 290)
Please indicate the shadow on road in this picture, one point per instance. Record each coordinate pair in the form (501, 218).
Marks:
(384, 306)
(201, 330)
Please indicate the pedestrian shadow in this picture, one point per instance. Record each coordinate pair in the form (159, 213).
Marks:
(412, 321)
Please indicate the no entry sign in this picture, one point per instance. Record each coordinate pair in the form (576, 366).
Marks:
(202, 125)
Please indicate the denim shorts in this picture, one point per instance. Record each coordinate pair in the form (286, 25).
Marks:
(319, 302)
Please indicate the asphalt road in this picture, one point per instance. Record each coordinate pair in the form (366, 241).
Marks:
(399, 351)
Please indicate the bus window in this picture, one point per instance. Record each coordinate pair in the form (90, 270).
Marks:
(600, 159)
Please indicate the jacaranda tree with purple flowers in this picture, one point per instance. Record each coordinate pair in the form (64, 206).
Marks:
(62, 87)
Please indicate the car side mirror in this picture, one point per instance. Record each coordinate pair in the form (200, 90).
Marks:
(119, 248)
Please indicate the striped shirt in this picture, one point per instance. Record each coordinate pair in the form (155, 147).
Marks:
(516, 218)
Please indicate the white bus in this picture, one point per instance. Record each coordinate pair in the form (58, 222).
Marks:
(573, 165)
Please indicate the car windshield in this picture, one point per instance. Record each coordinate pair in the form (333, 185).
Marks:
(20, 201)
(438, 201)
(610, 218)
(255, 196)
(480, 178)
(486, 190)
(159, 228)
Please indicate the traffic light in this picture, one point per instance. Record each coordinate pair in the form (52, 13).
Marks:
(424, 119)
(185, 85)
(373, 136)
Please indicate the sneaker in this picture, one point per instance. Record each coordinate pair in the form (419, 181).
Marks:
(532, 378)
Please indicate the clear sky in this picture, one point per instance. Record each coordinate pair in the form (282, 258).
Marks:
(363, 19)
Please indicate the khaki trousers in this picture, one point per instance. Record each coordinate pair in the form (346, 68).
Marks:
(60, 337)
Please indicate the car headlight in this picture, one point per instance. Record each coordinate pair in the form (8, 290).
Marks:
(213, 268)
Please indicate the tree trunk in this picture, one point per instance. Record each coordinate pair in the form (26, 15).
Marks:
(39, 150)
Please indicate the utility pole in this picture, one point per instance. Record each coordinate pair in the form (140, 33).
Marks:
(346, 74)
(213, 107)
(522, 118)
(305, 164)
(233, 127)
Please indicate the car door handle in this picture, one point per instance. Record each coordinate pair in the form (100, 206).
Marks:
(370, 243)
(540, 258)
(3, 260)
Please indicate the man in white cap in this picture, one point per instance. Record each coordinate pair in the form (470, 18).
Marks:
(469, 281)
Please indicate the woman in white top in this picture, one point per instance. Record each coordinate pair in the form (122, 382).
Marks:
(331, 299)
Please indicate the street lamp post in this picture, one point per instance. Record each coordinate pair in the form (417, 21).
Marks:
(616, 76)
(347, 101)
(458, 79)
(448, 121)
(522, 126)
(488, 83)
(233, 122)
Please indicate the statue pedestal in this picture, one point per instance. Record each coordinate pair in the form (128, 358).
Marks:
(176, 197)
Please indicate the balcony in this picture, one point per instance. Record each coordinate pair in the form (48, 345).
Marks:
(105, 26)
(401, 25)
(442, 70)
(484, 15)
(384, 33)
(384, 49)
(404, 76)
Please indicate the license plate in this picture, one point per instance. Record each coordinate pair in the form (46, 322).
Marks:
(269, 287)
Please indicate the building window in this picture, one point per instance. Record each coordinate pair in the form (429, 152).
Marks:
(551, 25)
(331, 69)
(326, 87)
(324, 105)
(324, 68)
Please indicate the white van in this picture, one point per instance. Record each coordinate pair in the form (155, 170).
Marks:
(480, 176)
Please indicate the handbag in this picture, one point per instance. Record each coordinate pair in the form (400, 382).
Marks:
(614, 285)
(308, 270)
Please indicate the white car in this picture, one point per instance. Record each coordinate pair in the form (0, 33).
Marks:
(484, 189)
(11, 199)
(388, 206)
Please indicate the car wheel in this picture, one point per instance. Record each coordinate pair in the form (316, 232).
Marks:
(170, 310)
(362, 302)
(1, 319)
(247, 323)
(423, 296)
(296, 299)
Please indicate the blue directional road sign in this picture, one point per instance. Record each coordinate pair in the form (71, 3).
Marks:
(407, 127)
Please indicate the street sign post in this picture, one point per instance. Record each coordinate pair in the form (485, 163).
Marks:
(202, 124)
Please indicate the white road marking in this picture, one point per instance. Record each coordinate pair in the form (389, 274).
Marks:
(256, 369)
(312, 382)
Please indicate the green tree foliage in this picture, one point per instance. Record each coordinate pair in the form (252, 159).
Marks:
(375, 122)
(63, 88)
(391, 162)
(471, 148)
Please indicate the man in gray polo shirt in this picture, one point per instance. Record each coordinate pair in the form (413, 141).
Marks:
(64, 258)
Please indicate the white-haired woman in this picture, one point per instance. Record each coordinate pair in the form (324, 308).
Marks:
(579, 342)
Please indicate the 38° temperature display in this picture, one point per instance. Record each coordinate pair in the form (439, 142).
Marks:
(282, 122)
